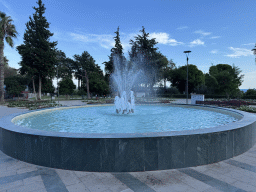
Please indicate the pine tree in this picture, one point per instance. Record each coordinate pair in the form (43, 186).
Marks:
(152, 59)
(38, 53)
(115, 51)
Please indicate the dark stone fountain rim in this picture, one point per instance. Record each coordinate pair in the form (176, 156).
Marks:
(245, 119)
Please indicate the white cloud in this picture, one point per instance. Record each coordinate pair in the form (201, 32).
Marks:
(215, 37)
(106, 41)
(202, 32)
(196, 42)
(214, 51)
(238, 52)
(249, 44)
(163, 38)
(182, 27)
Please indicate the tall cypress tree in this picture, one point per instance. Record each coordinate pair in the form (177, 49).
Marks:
(117, 50)
(38, 53)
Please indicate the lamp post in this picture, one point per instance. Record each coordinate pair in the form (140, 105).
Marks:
(58, 85)
(254, 52)
(187, 53)
(58, 63)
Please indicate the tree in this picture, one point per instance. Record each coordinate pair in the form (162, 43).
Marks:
(250, 92)
(47, 86)
(117, 50)
(84, 65)
(154, 61)
(227, 77)
(15, 84)
(178, 78)
(65, 65)
(211, 83)
(98, 85)
(7, 33)
(8, 71)
(38, 53)
(66, 87)
(166, 71)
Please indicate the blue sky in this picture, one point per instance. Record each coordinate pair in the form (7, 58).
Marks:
(215, 31)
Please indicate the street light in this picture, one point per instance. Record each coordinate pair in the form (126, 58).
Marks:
(254, 52)
(58, 63)
(58, 85)
(187, 53)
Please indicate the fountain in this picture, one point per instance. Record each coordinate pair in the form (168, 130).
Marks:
(123, 78)
(111, 149)
(123, 105)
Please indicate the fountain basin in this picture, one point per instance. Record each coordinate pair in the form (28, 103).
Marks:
(127, 152)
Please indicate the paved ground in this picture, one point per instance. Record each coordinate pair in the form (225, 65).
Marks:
(232, 175)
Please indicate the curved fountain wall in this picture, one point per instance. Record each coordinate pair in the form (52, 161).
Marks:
(130, 151)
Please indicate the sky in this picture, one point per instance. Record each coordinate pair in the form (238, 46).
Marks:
(216, 32)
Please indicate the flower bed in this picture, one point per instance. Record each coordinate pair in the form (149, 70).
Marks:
(236, 103)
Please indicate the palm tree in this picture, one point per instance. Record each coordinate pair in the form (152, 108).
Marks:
(7, 32)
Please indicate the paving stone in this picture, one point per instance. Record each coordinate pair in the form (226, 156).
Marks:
(158, 177)
(3, 166)
(82, 173)
(7, 173)
(174, 187)
(110, 181)
(78, 187)
(221, 167)
(211, 189)
(201, 168)
(243, 176)
(127, 190)
(220, 177)
(196, 184)
(244, 185)
(28, 188)
(27, 169)
(16, 165)
(11, 185)
(93, 183)
(42, 190)
(68, 177)
(31, 180)
(253, 155)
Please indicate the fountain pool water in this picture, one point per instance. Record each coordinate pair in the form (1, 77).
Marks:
(103, 119)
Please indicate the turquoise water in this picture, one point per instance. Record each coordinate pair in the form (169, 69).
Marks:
(103, 119)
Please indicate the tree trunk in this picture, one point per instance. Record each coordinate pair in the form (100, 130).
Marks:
(39, 88)
(2, 72)
(87, 85)
(34, 89)
(227, 94)
(79, 85)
